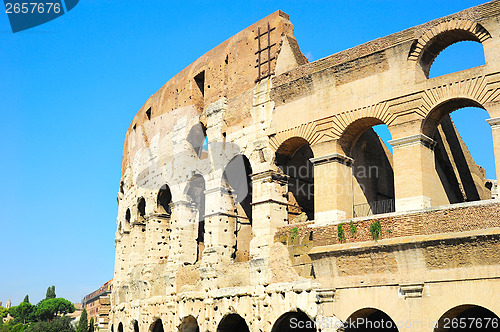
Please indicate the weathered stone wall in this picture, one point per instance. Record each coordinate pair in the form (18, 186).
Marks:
(190, 252)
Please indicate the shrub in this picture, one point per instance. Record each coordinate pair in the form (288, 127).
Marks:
(340, 232)
(375, 229)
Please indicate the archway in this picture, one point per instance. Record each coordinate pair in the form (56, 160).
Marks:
(157, 326)
(457, 57)
(127, 216)
(189, 324)
(369, 319)
(233, 323)
(293, 158)
(120, 327)
(164, 199)
(461, 178)
(469, 318)
(197, 137)
(435, 40)
(136, 326)
(372, 168)
(195, 192)
(141, 208)
(294, 321)
(236, 178)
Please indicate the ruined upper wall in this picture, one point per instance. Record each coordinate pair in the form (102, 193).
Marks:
(476, 14)
(229, 71)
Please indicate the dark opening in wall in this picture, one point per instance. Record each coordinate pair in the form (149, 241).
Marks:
(200, 81)
(148, 113)
(121, 187)
(141, 207)
(164, 199)
(127, 215)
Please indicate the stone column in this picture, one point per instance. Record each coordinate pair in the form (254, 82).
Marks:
(495, 127)
(184, 222)
(137, 238)
(220, 223)
(157, 237)
(415, 177)
(269, 209)
(333, 199)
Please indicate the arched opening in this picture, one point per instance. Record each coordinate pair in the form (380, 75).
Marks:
(433, 42)
(457, 154)
(469, 318)
(236, 179)
(233, 323)
(294, 321)
(369, 319)
(136, 326)
(164, 199)
(197, 137)
(195, 192)
(293, 159)
(157, 326)
(189, 324)
(127, 216)
(141, 208)
(372, 168)
(457, 57)
(112, 328)
(120, 327)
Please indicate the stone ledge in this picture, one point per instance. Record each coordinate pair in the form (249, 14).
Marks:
(403, 240)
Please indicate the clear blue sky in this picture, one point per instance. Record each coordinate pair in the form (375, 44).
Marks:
(70, 88)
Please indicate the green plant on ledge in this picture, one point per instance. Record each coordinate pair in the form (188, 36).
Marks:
(340, 232)
(389, 231)
(353, 229)
(295, 232)
(375, 230)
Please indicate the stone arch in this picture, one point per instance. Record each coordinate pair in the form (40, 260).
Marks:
(157, 326)
(294, 321)
(233, 323)
(372, 167)
(135, 325)
(425, 50)
(293, 158)
(367, 319)
(355, 129)
(163, 200)
(195, 193)
(236, 178)
(461, 178)
(189, 324)
(196, 138)
(476, 315)
(444, 108)
(120, 327)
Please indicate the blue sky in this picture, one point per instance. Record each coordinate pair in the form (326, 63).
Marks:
(69, 89)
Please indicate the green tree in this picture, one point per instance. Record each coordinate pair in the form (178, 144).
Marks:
(26, 299)
(82, 324)
(3, 312)
(51, 293)
(22, 313)
(91, 324)
(47, 310)
(58, 324)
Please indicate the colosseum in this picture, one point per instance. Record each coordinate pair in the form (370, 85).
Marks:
(256, 196)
